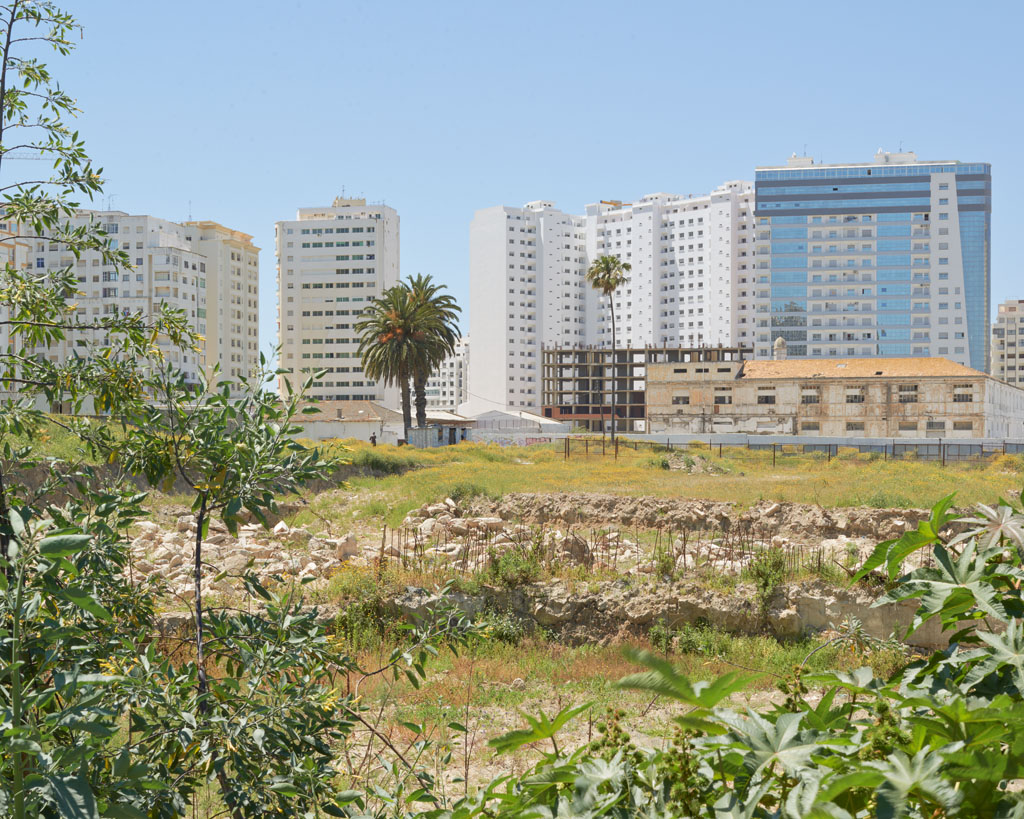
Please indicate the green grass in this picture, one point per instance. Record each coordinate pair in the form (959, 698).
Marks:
(851, 479)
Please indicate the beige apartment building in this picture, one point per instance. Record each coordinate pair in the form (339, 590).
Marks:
(208, 271)
(332, 262)
(1008, 342)
(846, 397)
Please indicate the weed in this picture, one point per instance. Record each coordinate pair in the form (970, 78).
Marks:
(659, 462)
(768, 571)
(516, 566)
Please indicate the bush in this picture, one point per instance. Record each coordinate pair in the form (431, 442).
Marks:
(768, 571)
(658, 462)
(518, 566)
(466, 490)
(381, 462)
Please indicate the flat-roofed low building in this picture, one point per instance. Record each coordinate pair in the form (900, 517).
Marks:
(846, 397)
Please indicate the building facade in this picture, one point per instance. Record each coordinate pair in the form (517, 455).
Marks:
(853, 398)
(208, 271)
(888, 258)
(332, 262)
(578, 383)
(690, 283)
(448, 388)
(1007, 351)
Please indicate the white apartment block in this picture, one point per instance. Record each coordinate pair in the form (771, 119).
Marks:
(447, 388)
(204, 269)
(332, 262)
(1008, 343)
(689, 256)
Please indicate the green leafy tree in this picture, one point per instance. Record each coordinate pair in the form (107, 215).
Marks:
(437, 316)
(607, 274)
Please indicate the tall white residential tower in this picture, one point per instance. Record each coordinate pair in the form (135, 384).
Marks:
(528, 288)
(206, 270)
(1008, 342)
(331, 263)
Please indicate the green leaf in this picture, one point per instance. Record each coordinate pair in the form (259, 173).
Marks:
(115, 811)
(73, 796)
(86, 602)
(664, 680)
(63, 545)
(540, 728)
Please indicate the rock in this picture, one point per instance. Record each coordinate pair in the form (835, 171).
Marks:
(186, 522)
(450, 504)
(785, 623)
(346, 547)
(518, 684)
(147, 527)
(772, 509)
(458, 527)
(490, 524)
(143, 567)
(281, 528)
(236, 563)
(299, 536)
(427, 527)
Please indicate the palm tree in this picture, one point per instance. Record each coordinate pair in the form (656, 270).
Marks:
(608, 274)
(437, 313)
(388, 330)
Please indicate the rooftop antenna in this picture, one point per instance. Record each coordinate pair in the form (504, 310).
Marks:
(110, 200)
(805, 149)
(901, 146)
(190, 210)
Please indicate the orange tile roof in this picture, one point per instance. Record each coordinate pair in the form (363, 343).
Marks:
(858, 368)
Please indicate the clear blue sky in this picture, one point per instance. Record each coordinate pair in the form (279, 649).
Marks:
(252, 109)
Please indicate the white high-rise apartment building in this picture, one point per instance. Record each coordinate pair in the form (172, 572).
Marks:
(331, 263)
(208, 271)
(690, 256)
(1008, 342)
(447, 388)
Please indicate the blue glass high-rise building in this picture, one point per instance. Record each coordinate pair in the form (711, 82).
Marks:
(887, 258)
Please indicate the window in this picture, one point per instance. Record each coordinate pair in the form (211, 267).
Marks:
(855, 396)
(908, 426)
(935, 426)
(963, 426)
(725, 398)
(854, 426)
(908, 394)
(680, 399)
(809, 426)
(766, 398)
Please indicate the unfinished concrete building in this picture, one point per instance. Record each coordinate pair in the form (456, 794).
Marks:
(849, 397)
(577, 382)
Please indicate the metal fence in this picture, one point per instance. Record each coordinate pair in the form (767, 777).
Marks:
(939, 450)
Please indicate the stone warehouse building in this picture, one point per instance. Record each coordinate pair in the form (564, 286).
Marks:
(847, 397)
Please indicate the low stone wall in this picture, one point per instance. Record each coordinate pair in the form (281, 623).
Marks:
(617, 610)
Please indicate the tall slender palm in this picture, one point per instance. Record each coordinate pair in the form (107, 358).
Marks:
(437, 313)
(608, 274)
(388, 331)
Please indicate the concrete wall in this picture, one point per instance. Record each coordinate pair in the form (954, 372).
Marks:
(716, 401)
(360, 430)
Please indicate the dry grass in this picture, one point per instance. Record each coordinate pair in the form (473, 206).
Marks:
(851, 479)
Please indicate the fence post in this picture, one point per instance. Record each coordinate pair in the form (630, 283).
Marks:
(567, 448)
(1004, 446)
(773, 456)
(586, 446)
(719, 450)
(616, 449)
(602, 444)
(830, 453)
(943, 447)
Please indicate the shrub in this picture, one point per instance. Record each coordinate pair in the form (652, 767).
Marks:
(381, 462)
(658, 462)
(768, 571)
(517, 566)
